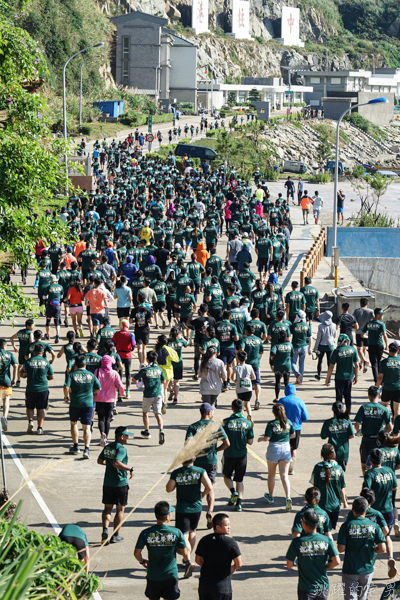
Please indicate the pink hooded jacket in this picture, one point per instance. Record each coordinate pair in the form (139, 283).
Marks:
(108, 380)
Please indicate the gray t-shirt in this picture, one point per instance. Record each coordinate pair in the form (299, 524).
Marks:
(234, 246)
(243, 378)
(362, 316)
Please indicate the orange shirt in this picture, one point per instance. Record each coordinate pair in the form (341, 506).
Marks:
(306, 202)
(79, 246)
(75, 297)
(68, 260)
(96, 298)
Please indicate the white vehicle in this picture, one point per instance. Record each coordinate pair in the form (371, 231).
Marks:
(387, 173)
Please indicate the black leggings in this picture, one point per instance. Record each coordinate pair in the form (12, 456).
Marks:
(278, 377)
(127, 362)
(320, 357)
(170, 308)
(104, 412)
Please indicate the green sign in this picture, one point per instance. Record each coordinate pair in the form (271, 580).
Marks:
(288, 92)
(150, 123)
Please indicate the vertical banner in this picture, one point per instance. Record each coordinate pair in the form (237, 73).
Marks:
(290, 25)
(241, 19)
(200, 16)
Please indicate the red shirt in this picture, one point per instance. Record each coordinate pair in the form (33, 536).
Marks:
(124, 343)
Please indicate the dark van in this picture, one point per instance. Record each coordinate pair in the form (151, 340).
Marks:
(195, 151)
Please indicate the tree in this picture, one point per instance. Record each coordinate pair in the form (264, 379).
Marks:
(231, 98)
(324, 150)
(224, 145)
(31, 172)
(254, 95)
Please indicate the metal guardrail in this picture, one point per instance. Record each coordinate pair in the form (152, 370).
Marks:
(314, 257)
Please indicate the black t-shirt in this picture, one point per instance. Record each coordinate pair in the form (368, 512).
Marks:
(141, 315)
(218, 551)
(161, 255)
(201, 324)
(346, 322)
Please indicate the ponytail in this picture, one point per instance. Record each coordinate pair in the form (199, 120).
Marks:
(340, 411)
(270, 290)
(211, 351)
(279, 412)
(259, 284)
(328, 453)
(387, 440)
(174, 333)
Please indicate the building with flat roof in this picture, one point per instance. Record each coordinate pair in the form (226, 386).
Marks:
(152, 59)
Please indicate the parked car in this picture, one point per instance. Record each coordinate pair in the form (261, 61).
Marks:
(330, 166)
(387, 173)
(195, 151)
(294, 166)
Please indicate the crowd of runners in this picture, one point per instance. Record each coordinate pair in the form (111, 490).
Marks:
(145, 255)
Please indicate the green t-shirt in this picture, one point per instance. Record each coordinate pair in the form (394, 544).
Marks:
(338, 432)
(73, 531)
(209, 455)
(391, 457)
(188, 488)
(263, 246)
(313, 551)
(283, 354)
(162, 542)
(114, 477)
(253, 345)
(372, 515)
(311, 295)
(160, 289)
(246, 278)
(239, 430)
(260, 328)
(46, 348)
(194, 270)
(216, 296)
(6, 360)
(300, 332)
(105, 333)
(82, 383)
(211, 342)
(375, 330)
(276, 433)
(69, 354)
(324, 522)
(344, 358)
(225, 332)
(215, 263)
(390, 367)
(360, 536)
(330, 495)
(275, 328)
(373, 416)
(86, 256)
(64, 278)
(56, 292)
(381, 481)
(177, 345)
(43, 278)
(258, 298)
(37, 368)
(152, 378)
(186, 303)
(277, 249)
(295, 299)
(93, 361)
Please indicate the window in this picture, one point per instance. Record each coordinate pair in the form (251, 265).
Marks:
(315, 80)
(336, 80)
(125, 59)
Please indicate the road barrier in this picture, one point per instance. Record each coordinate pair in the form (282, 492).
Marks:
(314, 257)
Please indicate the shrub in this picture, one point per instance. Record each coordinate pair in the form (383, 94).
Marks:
(212, 133)
(86, 129)
(320, 178)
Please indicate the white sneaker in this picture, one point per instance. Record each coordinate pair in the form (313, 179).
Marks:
(103, 440)
(291, 467)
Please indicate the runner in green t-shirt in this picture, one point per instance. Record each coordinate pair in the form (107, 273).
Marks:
(339, 430)
(324, 526)
(151, 378)
(38, 372)
(281, 361)
(25, 338)
(389, 375)
(294, 301)
(375, 330)
(328, 477)
(7, 381)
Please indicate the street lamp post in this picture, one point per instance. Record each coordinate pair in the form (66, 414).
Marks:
(164, 64)
(65, 103)
(334, 267)
(80, 87)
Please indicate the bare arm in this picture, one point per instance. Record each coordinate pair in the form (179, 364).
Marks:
(237, 563)
(328, 375)
(171, 485)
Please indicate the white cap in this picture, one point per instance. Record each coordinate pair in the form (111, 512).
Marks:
(245, 234)
(178, 246)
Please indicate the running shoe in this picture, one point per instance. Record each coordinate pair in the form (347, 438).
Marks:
(115, 410)
(317, 377)
(103, 440)
(233, 498)
(127, 395)
(269, 498)
(257, 405)
(74, 450)
(46, 336)
(116, 538)
(299, 379)
(104, 537)
(209, 520)
(291, 467)
(4, 424)
(392, 571)
(175, 401)
(18, 384)
(66, 321)
(80, 332)
(40, 430)
(30, 427)
(56, 339)
(190, 567)
(164, 409)
(112, 418)
(289, 506)
(239, 508)
(86, 453)
(161, 438)
(396, 528)
(146, 434)
(170, 396)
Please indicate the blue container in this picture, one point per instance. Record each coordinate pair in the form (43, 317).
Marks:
(113, 108)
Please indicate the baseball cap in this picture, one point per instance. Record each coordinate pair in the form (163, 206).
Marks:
(129, 258)
(206, 407)
(109, 244)
(342, 339)
(121, 430)
(360, 505)
(379, 311)
(178, 245)
(245, 234)
(69, 248)
(394, 346)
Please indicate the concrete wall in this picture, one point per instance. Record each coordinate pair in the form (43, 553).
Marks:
(380, 115)
(182, 75)
(370, 242)
(333, 109)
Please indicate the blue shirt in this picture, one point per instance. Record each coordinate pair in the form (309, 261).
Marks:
(295, 408)
(96, 153)
(123, 294)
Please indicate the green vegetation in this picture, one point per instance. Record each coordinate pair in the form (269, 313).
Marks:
(366, 126)
(370, 189)
(254, 95)
(319, 178)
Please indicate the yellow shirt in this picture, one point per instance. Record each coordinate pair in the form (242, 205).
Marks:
(145, 234)
(259, 194)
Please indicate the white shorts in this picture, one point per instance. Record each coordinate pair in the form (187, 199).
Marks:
(155, 403)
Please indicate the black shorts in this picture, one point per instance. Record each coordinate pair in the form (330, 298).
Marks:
(77, 543)
(245, 396)
(37, 400)
(294, 442)
(123, 312)
(85, 273)
(310, 315)
(159, 306)
(390, 396)
(360, 341)
(237, 465)
(211, 470)
(365, 448)
(290, 192)
(187, 521)
(21, 358)
(178, 371)
(84, 414)
(53, 312)
(142, 337)
(209, 593)
(263, 262)
(117, 496)
(166, 590)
